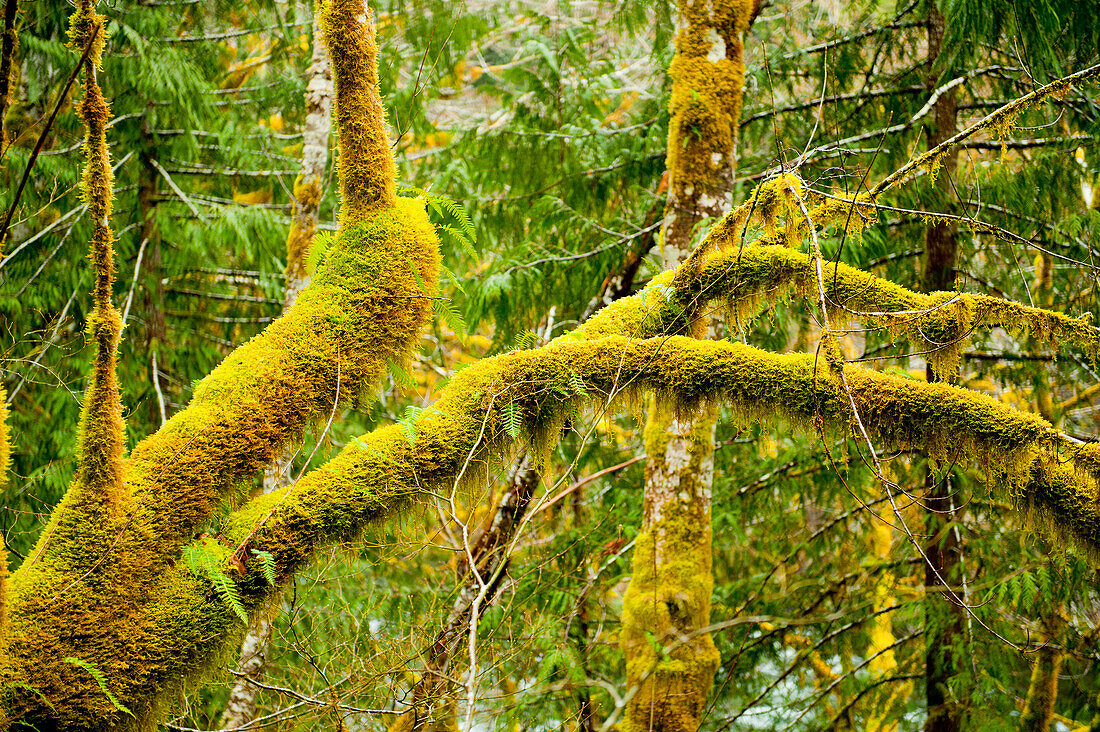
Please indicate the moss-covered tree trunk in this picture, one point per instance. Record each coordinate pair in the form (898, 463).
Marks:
(123, 600)
(110, 614)
(308, 192)
(668, 599)
(7, 57)
(945, 618)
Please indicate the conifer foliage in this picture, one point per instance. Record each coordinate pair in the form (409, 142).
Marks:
(846, 393)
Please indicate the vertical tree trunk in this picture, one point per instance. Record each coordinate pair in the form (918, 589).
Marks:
(7, 57)
(1042, 692)
(1038, 711)
(241, 708)
(152, 297)
(883, 661)
(945, 619)
(668, 599)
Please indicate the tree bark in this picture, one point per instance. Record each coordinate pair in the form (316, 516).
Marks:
(152, 296)
(945, 619)
(1042, 692)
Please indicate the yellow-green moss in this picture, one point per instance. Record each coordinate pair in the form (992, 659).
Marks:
(367, 171)
(100, 437)
(108, 587)
(670, 660)
(87, 27)
(5, 439)
(381, 473)
(670, 677)
(5, 467)
(303, 228)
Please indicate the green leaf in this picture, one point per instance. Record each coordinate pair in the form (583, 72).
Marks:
(525, 340)
(204, 562)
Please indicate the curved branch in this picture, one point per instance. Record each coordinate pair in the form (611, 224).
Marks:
(380, 473)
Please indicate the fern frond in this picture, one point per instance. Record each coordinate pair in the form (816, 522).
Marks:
(401, 377)
(446, 271)
(576, 383)
(458, 213)
(101, 680)
(457, 236)
(512, 419)
(202, 562)
(525, 340)
(229, 593)
(446, 312)
(267, 564)
(408, 425)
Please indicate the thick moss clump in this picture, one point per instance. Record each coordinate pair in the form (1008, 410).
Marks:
(363, 311)
(367, 172)
(670, 659)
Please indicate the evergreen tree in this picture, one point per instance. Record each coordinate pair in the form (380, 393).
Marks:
(156, 603)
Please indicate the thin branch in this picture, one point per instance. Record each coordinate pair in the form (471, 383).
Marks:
(1015, 106)
(45, 131)
(183, 196)
(902, 25)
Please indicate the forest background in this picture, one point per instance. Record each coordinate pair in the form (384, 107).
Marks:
(538, 135)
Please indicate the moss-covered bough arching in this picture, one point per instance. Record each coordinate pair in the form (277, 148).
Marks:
(107, 603)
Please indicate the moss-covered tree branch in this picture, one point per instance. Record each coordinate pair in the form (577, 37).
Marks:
(1021, 455)
(104, 588)
(367, 170)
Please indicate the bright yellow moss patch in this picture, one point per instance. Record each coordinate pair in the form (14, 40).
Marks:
(367, 170)
(5, 439)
